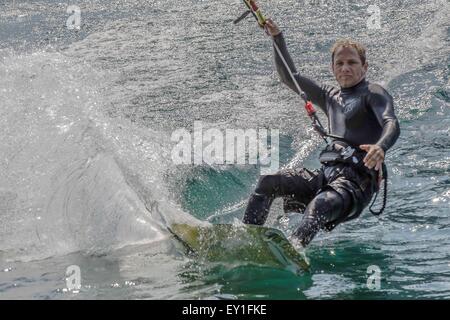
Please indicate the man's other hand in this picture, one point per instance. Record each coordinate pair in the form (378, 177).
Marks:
(374, 157)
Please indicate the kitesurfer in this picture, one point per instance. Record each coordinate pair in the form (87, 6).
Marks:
(358, 111)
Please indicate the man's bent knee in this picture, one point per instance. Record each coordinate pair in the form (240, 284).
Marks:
(326, 206)
(268, 184)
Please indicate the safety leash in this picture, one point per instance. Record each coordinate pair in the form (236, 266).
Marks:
(385, 177)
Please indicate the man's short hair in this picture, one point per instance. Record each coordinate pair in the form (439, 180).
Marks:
(349, 43)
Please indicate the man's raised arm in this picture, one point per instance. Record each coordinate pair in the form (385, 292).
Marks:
(314, 92)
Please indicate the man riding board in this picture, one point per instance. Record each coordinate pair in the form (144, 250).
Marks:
(363, 125)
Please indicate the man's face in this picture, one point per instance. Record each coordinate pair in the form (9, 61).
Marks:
(347, 67)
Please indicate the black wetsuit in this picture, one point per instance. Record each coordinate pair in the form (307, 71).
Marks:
(363, 114)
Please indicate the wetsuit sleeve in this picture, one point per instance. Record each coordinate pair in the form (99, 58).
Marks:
(315, 93)
(382, 105)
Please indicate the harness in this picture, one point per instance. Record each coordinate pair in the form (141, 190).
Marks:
(342, 152)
